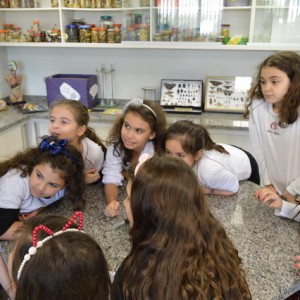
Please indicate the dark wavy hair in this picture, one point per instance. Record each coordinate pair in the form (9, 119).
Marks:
(193, 137)
(81, 115)
(71, 170)
(179, 249)
(157, 124)
(69, 266)
(289, 63)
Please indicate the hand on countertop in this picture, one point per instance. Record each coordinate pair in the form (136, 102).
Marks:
(269, 197)
(112, 209)
(297, 264)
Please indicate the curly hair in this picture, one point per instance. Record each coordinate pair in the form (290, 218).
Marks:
(69, 266)
(179, 249)
(289, 63)
(157, 124)
(71, 172)
(81, 115)
(193, 137)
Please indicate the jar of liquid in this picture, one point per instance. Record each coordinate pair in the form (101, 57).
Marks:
(225, 30)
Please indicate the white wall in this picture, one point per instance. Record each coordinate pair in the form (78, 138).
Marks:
(135, 68)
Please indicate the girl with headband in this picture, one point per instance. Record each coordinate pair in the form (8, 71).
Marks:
(140, 129)
(36, 178)
(53, 258)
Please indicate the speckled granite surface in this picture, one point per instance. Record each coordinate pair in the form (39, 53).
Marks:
(266, 243)
(12, 117)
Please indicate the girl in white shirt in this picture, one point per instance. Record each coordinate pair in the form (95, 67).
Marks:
(219, 167)
(140, 129)
(274, 123)
(69, 120)
(35, 179)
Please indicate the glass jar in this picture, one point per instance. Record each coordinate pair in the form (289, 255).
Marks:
(54, 3)
(84, 34)
(95, 35)
(102, 35)
(107, 22)
(72, 33)
(110, 35)
(8, 26)
(36, 28)
(3, 35)
(225, 30)
(108, 3)
(144, 32)
(14, 3)
(4, 4)
(37, 37)
(118, 36)
(72, 3)
(131, 35)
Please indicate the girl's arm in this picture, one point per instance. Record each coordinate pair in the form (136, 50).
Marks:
(209, 191)
(5, 280)
(112, 203)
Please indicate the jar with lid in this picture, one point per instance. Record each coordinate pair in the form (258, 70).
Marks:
(85, 3)
(8, 26)
(72, 33)
(118, 36)
(110, 35)
(225, 30)
(72, 3)
(37, 37)
(102, 35)
(3, 35)
(84, 34)
(107, 22)
(36, 28)
(95, 35)
(175, 34)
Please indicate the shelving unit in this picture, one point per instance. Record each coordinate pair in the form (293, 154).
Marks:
(273, 26)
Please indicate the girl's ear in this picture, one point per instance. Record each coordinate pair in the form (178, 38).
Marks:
(81, 130)
(198, 155)
(152, 136)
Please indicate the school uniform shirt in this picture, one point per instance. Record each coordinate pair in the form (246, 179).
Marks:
(93, 155)
(113, 165)
(289, 210)
(275, 149)
(223, 171)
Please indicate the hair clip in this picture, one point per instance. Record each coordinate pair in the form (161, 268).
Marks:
(137, 102)
(55, 146)
(38, 244)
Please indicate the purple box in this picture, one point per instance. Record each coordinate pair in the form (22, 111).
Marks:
(83, 88)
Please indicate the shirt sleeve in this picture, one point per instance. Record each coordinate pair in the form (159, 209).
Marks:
(294, 187)
(257, 150)
(289, 210)
(217, 177)
(112, 168)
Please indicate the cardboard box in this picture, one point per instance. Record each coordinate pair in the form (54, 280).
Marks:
(83, 88)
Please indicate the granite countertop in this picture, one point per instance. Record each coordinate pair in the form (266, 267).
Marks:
(266, 243)
(226, 121)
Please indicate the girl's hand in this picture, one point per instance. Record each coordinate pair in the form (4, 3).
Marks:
(91, 175)
(24, 217)
(288, 197)
(297, 264)
(267, 196)
(112, 209)
(271, 187)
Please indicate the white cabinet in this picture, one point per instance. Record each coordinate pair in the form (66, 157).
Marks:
(13, 140)
(178, 24)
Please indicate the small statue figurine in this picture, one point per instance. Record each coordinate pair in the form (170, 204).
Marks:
(14, 83)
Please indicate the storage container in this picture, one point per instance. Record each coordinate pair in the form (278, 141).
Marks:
(80, 87)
